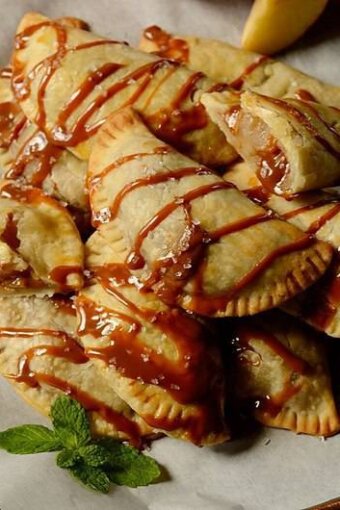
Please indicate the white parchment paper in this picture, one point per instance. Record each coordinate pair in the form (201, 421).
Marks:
(274, 470)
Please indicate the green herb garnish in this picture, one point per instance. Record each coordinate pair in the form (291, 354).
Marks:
(95, 462)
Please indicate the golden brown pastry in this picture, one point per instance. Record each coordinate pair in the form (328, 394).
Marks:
(40, 356)
(40, 248)
(280, 369)
(317, 213)
(292, 145)
(160, 360)
(27, 156)
(196, 240)
(239, 68)
(69, 80)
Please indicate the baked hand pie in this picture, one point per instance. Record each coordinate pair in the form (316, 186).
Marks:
(314, 212)
(196, 240)
(68, 81)
(280, 369)
(160, 360)
(28, 157)
(40, 247)
(239, 68)
(292, 145)
(40, 356)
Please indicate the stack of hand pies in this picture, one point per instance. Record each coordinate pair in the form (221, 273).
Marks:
(141, 258)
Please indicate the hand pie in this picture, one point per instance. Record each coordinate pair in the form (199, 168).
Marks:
(40, 248)
(69, 80)
(239, 68)
(196, 240)
(40, 356)
(315, 212)
(159, 360)
(281, 369)
(28, 157)
(292, 145)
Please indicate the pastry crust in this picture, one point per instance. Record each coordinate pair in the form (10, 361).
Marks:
(292, 145)
(316, 212)
(43, 331)
(281, 367)
(92, 77)
(239, 68)
(193, 216)
(28, 157)
(159, 360)
(41, 250)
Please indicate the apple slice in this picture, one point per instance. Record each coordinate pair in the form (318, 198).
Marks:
(275, 24)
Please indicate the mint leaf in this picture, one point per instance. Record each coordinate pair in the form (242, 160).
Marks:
(70, 422)
(67, 458)
(27, 439)
(94, 455)
(93, 477)
(127, 466)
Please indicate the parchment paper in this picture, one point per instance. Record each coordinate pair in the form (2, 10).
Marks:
(274, 470)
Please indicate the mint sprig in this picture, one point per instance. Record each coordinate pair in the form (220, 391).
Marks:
(96, 463)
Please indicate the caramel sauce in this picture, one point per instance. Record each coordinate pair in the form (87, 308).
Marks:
(10, 233)
(60, 274)
(244, 334)
(273, 166)
(192, 377)
(74, 353)
(172, 123)
(185, 377)
(91, 404)
(81, 131)
(239, 82)
(97, 179)
(305, 95)
(70, 350)
(303, 119)
(320, 222)
(207, 305)
(6, 73)
(155, 179)
(258, 194)
(35, 150)
(167, 45)
(135, 259)
(11, 123)
(92, 80)
(323, 303)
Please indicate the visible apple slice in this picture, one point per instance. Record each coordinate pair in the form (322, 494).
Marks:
(275, 24)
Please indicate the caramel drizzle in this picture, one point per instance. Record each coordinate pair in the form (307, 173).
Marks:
(36, 149)
(167, 45)
(135, 259)
(303, 119)
(70, 350)
(169, 275)
(238, 83)
(269, 404)
(206, 305)
(97, 179)
(305, 95)
(193, 377)
(261, 195)
(31, 196)
(185, 377)
(73, 352)
(172, 125)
